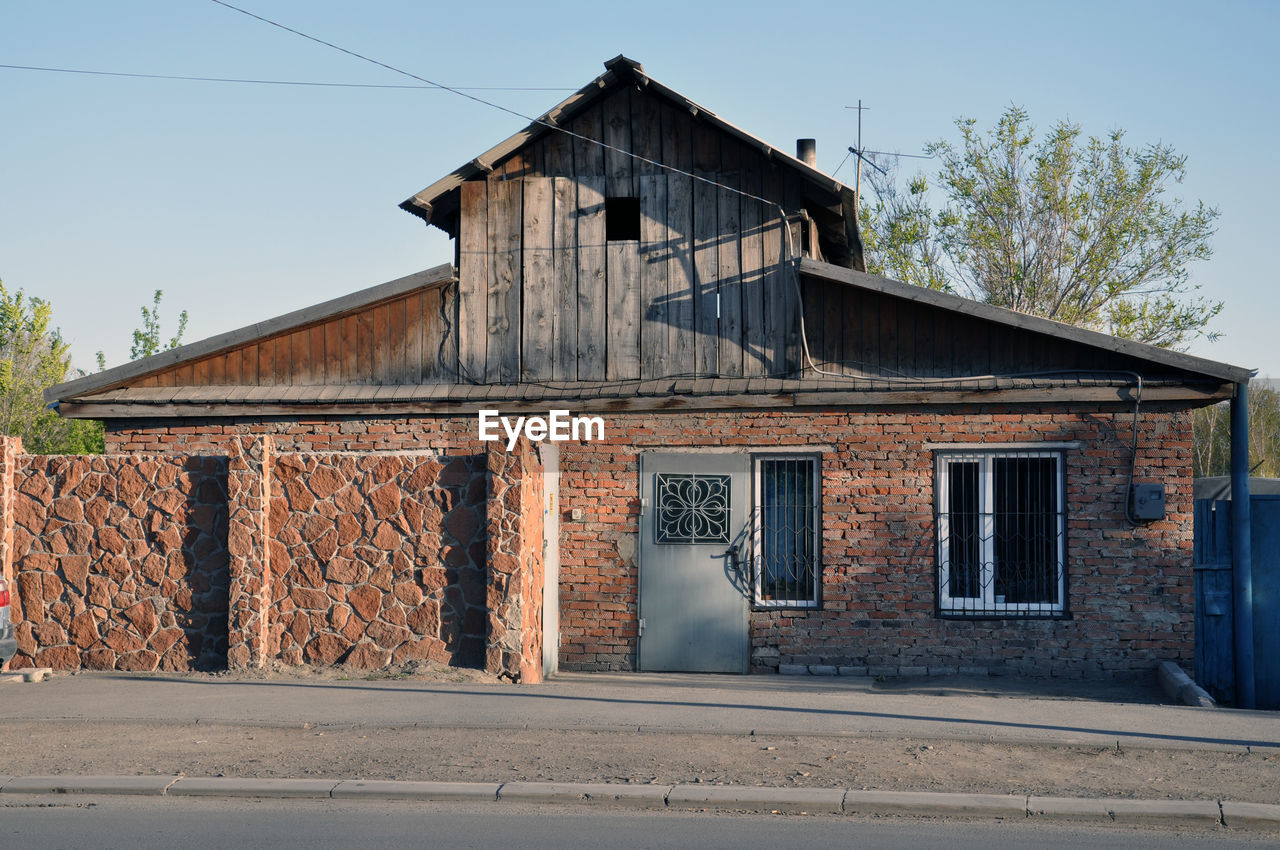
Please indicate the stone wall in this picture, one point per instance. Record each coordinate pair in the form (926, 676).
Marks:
(378, 559)
(247, 555)
(121, 562)
(515, 564)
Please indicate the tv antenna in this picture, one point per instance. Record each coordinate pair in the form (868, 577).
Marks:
(860, 152)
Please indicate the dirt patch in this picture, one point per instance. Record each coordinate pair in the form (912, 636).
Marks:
(505, 755)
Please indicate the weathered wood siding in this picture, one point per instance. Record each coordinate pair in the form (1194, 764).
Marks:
(411, 339)
(699, 293)
(542, 293)
(867, 334)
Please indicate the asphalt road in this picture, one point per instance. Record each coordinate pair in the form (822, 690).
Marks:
(196, 824)
(988, 709)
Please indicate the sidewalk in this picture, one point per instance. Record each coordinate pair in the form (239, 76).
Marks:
(956, 747)
(956, 709)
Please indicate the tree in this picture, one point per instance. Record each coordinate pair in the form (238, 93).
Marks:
(146, 339)
(33, 357)
(1212, 434)
(1080, 232)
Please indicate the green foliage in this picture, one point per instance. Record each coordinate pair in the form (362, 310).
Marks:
(1082, 232)
(146, 339)
(33, 357)
(1212, 434)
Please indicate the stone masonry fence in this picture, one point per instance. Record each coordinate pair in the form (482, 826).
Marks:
(208, 562)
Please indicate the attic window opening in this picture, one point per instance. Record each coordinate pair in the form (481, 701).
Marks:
(622, 219)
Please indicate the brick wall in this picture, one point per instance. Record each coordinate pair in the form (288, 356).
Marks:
(1130, 590)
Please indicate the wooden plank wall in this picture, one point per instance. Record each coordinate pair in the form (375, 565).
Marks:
(543, 295)
(408, 340)
(866, 334)
(699, 293)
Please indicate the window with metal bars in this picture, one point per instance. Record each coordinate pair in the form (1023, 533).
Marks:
(1001, 525)
(788, 571)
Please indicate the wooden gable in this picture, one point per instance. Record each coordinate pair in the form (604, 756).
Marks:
(700, 287)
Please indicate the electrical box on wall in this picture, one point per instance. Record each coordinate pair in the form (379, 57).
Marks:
(1147, 501)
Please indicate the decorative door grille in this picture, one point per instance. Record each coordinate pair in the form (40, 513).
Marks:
(691, 508)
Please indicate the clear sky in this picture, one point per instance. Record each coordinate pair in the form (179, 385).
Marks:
(246, 201)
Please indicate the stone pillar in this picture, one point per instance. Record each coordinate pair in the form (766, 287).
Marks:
(514, 563)
(249, 471)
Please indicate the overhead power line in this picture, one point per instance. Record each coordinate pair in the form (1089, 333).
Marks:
(539, 121)
(275, 82)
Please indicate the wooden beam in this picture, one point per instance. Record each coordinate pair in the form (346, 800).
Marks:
(1117, 398)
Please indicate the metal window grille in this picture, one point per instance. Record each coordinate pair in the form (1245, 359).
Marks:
(692, 508)
(787, 569)
(1001, 525)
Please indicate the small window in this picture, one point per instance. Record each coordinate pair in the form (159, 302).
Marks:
(787, 569)
(1001, 534)
(622, 219)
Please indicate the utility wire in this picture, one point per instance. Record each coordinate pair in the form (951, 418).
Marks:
(539, 121)
(272, 82)
(788, 246)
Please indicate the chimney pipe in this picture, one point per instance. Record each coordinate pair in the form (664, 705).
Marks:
(807, 152)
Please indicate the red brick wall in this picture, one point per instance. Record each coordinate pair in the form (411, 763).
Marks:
(1130, 590)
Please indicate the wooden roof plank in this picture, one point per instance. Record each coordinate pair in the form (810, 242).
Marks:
(1010, 318)
(267, 329)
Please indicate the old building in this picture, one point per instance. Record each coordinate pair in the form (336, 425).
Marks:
(802, 467)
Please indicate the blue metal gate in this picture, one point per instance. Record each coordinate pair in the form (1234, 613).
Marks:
(1215, 654)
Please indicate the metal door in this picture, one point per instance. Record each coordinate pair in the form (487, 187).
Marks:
(694, 603)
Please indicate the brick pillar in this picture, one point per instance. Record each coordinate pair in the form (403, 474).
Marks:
(10, 449)
(514, 563)
(248, 532)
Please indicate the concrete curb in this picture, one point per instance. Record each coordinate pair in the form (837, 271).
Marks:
(426, 792)
(1199, 813)
(1179, 687)
(938, 803)
(644, 796)
(760, 799)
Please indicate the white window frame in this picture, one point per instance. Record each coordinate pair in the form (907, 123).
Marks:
(757, 531)
(988, 605)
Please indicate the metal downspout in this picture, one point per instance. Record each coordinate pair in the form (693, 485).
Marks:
(1242, 548)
